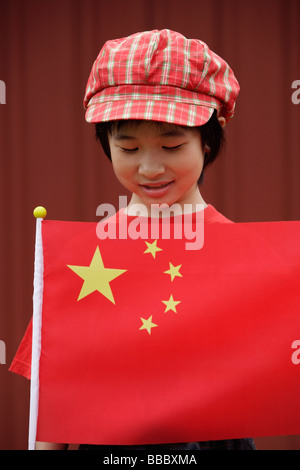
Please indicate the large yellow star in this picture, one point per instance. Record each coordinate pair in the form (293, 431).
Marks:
(152, 248)
(171, 304)
(96, 277)
(173, 271)
(147, 324)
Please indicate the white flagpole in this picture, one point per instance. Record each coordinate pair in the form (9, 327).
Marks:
(39, 213)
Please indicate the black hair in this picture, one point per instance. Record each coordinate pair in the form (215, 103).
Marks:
(211, 133)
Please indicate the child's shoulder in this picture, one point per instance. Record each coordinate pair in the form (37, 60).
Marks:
(211, 215)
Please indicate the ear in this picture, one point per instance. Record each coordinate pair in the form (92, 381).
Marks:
(206, 149)
(222, 121)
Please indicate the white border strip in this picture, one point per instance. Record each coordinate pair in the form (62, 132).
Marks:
(36, 333)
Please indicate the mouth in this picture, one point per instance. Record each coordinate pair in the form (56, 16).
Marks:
(161, 184)
(156, 189)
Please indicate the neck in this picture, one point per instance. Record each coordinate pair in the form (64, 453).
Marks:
(137, 207)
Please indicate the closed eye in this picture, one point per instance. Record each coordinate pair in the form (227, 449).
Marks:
(172, 148)
(129, 150)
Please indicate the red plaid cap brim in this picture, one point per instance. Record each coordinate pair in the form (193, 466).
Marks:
(160, 103)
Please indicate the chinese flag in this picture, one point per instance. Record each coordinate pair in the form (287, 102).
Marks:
(143, 341)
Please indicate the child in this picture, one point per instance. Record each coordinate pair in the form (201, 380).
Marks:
(160, 102)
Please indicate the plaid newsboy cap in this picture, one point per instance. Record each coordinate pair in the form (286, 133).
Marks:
(159, 75)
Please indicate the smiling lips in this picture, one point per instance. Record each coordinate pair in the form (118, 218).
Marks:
(156, 189)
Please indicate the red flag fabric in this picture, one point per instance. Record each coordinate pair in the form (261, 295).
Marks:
(144, 341)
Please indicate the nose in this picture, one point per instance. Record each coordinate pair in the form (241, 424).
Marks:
(151, 166)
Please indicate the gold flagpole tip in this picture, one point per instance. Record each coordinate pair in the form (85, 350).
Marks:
(40, 212)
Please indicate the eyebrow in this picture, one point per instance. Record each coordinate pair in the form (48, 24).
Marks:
(174, 133)
(123, 137)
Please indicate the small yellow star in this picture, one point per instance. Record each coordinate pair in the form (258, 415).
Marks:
(152, 248)
(147, 324)
(173, 271)
(96, 277)
(171, 304)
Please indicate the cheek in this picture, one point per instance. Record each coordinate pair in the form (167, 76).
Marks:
(122, 167)
(193, 165)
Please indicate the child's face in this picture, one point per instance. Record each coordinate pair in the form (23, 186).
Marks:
(158, 163)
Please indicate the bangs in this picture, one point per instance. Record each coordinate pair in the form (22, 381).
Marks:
(116, 126)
